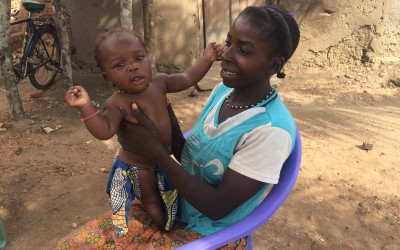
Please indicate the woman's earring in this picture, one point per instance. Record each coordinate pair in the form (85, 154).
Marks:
(281, 74)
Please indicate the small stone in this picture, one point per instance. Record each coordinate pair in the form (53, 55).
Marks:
(18, 151)
(74, 225)
(47, 130)
(367, 145)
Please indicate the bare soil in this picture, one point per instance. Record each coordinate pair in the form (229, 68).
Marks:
(345, 197)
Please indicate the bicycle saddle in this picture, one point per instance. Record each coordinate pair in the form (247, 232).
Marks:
(33, 6)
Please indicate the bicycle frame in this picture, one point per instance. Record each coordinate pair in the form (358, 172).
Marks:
(21, 68)
(31, 30)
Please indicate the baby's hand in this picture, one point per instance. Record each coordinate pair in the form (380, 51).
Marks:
(77, 97)
(213, 51)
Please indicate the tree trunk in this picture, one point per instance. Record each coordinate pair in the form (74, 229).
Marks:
(6, 67)
(62, 26)
(126, 14)
(201, 48)
(149, 38)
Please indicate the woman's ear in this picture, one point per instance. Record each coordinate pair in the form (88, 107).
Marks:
(276, 66)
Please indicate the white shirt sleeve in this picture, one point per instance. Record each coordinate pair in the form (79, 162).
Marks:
(261, 153)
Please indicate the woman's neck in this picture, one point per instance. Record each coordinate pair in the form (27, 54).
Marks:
(249, 96)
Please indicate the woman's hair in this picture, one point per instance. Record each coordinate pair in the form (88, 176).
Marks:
(106, 35)
(276, 24)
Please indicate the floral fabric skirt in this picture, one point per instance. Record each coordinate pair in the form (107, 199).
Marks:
(142, 234)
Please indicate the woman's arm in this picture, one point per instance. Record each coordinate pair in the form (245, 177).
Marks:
(177, 138)
(213, 201)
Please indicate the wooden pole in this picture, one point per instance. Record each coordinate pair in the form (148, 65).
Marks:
(13, 97)
(62, 26)
(148, 32)
(126, 14)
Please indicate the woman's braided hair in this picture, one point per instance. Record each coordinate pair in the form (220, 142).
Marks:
(277, 25)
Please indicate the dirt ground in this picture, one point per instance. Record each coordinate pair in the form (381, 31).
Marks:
(345, 197)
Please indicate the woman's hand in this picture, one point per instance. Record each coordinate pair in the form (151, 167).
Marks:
(140, 138)
(137, 137)
(213, 201)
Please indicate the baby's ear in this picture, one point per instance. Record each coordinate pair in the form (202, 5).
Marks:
(105, 76)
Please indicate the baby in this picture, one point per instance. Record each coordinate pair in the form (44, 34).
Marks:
(124, 62)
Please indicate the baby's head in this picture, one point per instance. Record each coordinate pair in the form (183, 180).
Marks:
(114, 32)
(277, 25)
(123, 60)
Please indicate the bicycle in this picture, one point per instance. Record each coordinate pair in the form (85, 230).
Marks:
(41, 54)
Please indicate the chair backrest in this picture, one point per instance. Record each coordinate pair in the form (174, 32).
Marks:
(275, 198)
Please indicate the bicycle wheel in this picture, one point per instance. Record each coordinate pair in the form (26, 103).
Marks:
(43, 58)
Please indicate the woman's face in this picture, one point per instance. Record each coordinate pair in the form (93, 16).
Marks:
(247, 56)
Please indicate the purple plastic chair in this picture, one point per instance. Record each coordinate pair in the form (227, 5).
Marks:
(275, 198)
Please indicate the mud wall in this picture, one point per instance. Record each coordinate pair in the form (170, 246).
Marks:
(86, 20)
(177, 33)
(334, 33)
(17, 31)
(176, 27)
(340, 34)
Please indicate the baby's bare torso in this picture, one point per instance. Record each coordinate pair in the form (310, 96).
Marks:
(153, 103)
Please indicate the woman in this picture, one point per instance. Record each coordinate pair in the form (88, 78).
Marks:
(239, 143)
